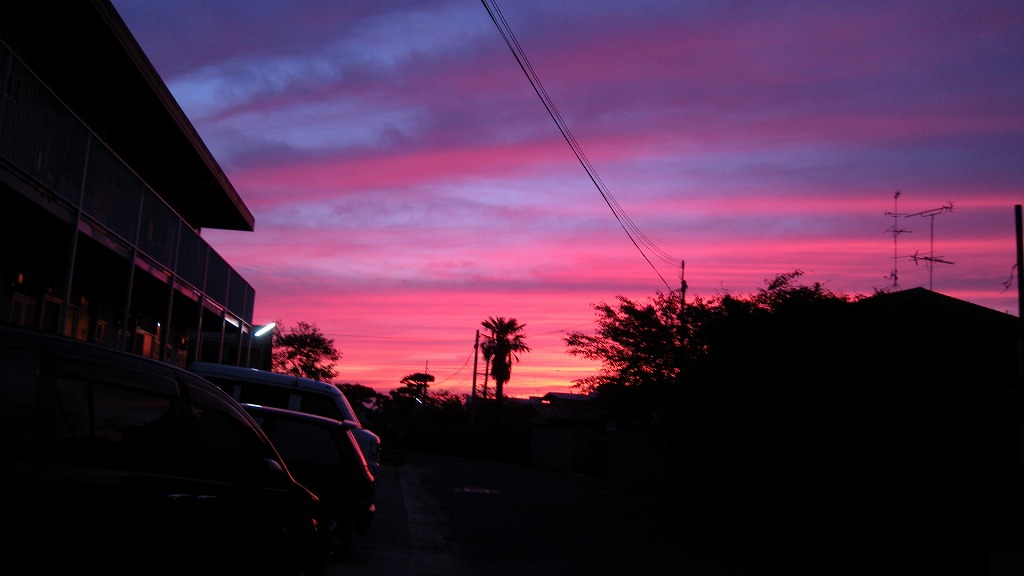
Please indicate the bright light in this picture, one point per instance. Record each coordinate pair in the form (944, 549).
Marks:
(265, 329)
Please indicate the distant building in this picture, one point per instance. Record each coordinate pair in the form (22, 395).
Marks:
(106, 187)
(568, 434)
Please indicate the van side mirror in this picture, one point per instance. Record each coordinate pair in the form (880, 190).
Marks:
(273, 471)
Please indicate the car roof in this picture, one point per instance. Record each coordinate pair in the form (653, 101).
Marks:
(44, 342)
(278, 379)
(292, 414)
(267, 378)
(158, 370)
(262, 376)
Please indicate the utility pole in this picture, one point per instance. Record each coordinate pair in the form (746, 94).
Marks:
(472, 396)
(1020, 302)
(682, 293)
(476, 347)
(1020, 325)
(682, 283)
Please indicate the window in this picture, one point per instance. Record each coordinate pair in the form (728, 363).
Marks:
(299, 442)
(263, 395)
(114, 426)
(322, 405)
(23, 310)
(227, 445)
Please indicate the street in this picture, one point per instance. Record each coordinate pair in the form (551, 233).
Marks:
(441, 515)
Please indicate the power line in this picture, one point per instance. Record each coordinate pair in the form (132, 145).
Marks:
(636, 237)
(456, 373)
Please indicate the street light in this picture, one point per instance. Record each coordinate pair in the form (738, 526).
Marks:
(257, 334)
(265, 329)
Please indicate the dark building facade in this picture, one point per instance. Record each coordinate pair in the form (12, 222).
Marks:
(105, 187)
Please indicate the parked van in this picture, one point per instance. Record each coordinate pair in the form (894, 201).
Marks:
(112, 463)
(252, 386)
(325, 457)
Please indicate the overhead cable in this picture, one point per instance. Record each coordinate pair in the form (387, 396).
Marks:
(636, 236)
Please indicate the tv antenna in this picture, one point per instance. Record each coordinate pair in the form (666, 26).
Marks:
(930, 257)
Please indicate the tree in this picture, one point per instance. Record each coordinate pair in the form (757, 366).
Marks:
(638, 344)
(656, 353)
(505, 342)
(657, 343)
(642, 351)
(304, 351)
(360, 395)
(416, 385)
(364, 400)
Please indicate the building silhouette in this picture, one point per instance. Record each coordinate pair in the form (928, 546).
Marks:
(106, 187)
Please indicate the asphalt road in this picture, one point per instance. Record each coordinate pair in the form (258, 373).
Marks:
(440, 515)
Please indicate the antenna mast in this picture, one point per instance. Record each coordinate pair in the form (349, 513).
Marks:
(930, 258)
(896, 231)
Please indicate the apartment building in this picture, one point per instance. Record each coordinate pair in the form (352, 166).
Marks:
(105, 189)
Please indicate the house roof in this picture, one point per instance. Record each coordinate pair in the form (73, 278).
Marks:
(565, 397)
(924, 301)
(922, 337)
(85, 53)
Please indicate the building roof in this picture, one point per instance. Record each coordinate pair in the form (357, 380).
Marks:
(922, 301)
(85, 53)
(565, 397)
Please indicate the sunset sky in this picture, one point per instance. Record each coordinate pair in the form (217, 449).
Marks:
(408, 182)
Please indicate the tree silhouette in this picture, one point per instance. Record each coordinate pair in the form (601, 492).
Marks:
(416, 385)
(655, 344)
(639, 344)
(505, 342)
(304, 351)
(365, 401)
(660, 361)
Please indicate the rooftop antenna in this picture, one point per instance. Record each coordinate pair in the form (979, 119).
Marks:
(896, 231)
(930, 258)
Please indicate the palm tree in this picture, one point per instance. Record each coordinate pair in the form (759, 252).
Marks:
(505, 342)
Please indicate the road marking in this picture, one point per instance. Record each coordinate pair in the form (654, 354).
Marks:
(475, 490)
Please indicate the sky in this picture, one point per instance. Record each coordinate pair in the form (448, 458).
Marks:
(409, 180)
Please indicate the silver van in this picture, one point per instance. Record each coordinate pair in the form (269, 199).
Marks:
(252, 386)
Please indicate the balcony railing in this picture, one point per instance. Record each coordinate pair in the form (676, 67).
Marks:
(42, 139)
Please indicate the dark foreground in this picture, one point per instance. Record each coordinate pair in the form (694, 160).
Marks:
(441, 515)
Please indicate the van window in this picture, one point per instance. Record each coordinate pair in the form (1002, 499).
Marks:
(113, 426)
(321, 405)
(263, 395)
(299, 442)
(250, 393)
(227, 444)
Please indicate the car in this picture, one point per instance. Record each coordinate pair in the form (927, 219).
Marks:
(111, 462)
(267, 388)
(324, 456)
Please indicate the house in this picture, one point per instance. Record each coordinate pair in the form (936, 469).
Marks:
(106, 189)
(899, 415)
(568, 434)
